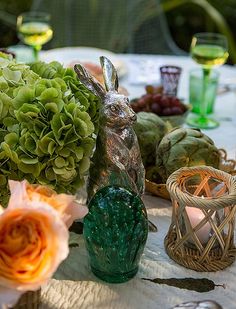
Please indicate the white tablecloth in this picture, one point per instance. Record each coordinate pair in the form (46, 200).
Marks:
(87, 291)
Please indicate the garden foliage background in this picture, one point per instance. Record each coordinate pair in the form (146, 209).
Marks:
(184, 17)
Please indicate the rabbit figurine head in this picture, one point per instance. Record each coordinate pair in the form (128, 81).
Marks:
(115, 110)
(117, 159)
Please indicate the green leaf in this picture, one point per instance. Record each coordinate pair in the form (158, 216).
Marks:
(199, 285)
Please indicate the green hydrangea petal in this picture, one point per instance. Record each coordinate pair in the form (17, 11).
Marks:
(9, 153)
(11, 139)
(24, 95)
(84, 165)
(59, 162)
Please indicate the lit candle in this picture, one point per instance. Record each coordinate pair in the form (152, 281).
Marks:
(195, 216)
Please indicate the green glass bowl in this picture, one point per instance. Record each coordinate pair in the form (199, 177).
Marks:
(177, 120)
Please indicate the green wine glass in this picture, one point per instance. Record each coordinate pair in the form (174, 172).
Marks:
(207, 49)
(34, 29)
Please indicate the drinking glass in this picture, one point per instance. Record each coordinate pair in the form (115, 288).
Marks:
(34, 29)
(207, 49)
(195, 90)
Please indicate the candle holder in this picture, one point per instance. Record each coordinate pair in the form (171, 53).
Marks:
(201, 234)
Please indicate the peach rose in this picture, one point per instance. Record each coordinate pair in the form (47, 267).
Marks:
(65, 204)
(33, 242)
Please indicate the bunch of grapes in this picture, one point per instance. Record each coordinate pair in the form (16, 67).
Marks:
(156, 102)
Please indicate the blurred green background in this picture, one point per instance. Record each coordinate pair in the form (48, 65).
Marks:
(184, 18)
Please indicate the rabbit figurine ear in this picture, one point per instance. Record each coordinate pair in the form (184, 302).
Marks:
(109, 74)
(88, 81)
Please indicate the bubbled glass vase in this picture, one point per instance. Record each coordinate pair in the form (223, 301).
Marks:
(115, 232)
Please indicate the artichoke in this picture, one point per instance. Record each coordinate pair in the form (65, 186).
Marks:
(149, 129)
(185, 147)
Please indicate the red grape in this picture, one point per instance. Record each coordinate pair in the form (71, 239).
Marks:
(176, 110)
(154, 101)
(157, 97)
(142, 102)
(147, 97)
(155, 108)
(166, 111)
(175, 101)
(164, 102)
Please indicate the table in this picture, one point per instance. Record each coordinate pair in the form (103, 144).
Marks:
(76, 287)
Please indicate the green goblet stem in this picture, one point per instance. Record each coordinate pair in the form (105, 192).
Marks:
(203, 106)
(36, 50)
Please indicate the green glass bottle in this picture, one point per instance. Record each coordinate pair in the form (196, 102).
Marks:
(115, 232)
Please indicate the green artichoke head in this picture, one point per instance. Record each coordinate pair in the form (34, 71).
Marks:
(149, 129)
(185, 147)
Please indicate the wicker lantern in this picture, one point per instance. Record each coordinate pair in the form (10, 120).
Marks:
(201, 234)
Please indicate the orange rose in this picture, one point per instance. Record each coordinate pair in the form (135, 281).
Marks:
(33, 242)
(65, 204)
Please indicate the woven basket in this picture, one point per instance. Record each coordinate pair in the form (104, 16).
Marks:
(201, 233)
(29, 300)
(159, 189)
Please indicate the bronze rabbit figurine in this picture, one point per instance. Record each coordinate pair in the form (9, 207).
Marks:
(117, 159)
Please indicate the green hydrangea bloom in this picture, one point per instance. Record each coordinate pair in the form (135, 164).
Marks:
(48, 125)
